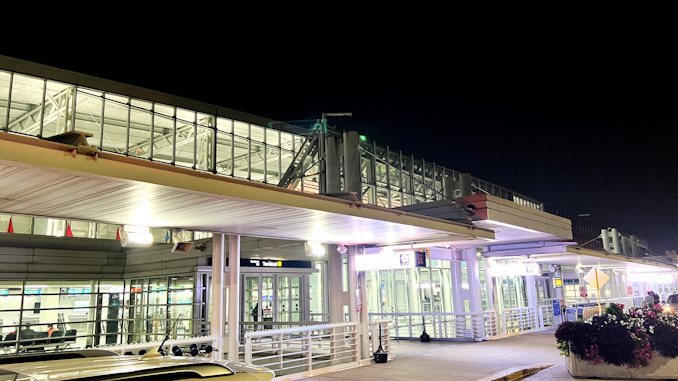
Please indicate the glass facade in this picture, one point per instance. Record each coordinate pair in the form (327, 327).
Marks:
(213, 143)
(78, 314)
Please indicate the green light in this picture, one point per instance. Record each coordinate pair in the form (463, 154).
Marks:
(363, 138)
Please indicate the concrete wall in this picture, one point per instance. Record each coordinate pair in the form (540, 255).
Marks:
(38, 257)
(159, 260)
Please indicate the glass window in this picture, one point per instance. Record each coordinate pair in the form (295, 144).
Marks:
(224, 164)
(257, 133)
(5, 78)
(115, 123)
(225, 125)
(88, 114)
(163, 137)
(26, 105)
(140, 129)
(241, 129)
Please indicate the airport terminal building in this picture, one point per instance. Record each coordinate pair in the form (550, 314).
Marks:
(125, 213)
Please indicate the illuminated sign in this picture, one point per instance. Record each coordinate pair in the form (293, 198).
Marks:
(516, 269)
(558, 282)
(385, 261)
(274, 263)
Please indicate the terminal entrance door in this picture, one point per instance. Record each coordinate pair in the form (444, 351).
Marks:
(279, 297)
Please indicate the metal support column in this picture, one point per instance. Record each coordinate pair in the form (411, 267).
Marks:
(233, 296)
(217, 315)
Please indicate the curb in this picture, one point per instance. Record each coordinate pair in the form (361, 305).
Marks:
(516, 373)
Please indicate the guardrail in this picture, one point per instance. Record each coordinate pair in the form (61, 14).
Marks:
(301, 350)
(439, 325)
(380, 328)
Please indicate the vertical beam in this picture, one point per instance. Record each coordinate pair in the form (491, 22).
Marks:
(332, 172)
(364, 325)
(335, 285)
(217, 319)
(233, 296)
(352, 178)
(359, 317)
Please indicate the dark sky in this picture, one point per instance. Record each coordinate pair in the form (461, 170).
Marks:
(586, 127)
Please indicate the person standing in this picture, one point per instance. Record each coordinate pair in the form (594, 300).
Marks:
(649, 299)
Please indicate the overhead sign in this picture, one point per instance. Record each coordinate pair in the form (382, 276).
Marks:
(244, 262)
(516, 269)
(596, 278)
(386, 260)
(420, 258)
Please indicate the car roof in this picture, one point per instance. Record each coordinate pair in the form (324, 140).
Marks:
(93, 368)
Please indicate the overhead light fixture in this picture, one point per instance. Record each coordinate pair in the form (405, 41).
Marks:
(136, 236)
(314, 249)
(342, 249)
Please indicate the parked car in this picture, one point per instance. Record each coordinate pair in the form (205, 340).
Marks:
(144, 368)
(671, 303)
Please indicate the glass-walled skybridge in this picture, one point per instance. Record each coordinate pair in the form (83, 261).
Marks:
(151, 130)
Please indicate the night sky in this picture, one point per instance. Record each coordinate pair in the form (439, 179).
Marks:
(586, 128)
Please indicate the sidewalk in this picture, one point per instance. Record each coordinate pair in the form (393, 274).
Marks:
(438, 360)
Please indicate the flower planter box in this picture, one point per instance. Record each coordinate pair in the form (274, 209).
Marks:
(659, 368)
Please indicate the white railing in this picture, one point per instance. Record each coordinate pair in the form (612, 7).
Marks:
(519, 319)
(377, 328)
(301, 350)
(438, 325)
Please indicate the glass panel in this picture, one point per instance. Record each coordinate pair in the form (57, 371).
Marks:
(88, 114)
(257, 133)
(283, 298)
(272, 137)
(295, 298)
(286, 141)
(4, 96)
(258, 160)
(157, 309)
(267, 297)
(225, 125)
(115, 123)
(241, 129)
(10, 300)
(185, 143)
(26, 105)
(140, 130)
(110, 314)
(224, 165)
(205, 147)
(273, 165)
(180, 300)
(20, 224)
(163, 137)
(83, 229)
(251, 298)
(241, 158)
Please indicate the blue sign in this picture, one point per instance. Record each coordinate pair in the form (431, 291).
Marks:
(556, 307)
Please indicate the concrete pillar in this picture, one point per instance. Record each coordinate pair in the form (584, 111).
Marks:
(217, 314)
(335, 280)
(333, 172)
(233, 296)
(352, 176)
(355, 292)
(457, 299)
(364, 318)
(473, 280)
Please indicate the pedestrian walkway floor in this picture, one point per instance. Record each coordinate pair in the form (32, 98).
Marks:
(444, 360)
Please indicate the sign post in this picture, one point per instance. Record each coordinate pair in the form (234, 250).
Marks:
(597, 278)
